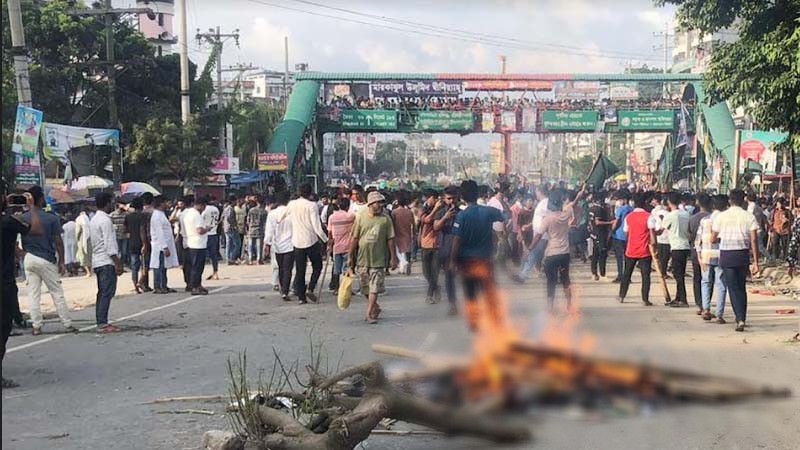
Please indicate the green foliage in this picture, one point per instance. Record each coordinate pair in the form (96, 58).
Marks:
(761, 70)
(173, 149)
(253, 126)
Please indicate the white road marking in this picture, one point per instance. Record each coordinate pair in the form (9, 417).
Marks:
(91, 327)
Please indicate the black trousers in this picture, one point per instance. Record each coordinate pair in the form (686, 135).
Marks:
(301, 256)
(10, 303)
(679, 259)
(619, 255)
(697, 280)
(285, 262)
(430, 269)
(106, 290)
(663, 252)
(599, 258)
(197, 262)
(449, 280)
(645, 267)
(735, 279)
(556, 268)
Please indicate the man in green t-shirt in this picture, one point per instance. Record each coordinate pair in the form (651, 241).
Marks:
(372, 246)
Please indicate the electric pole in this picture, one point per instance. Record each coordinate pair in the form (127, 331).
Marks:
(110, 15)
(241, 69)
(666, 46)
(20, 53)
(285, 72)
(184, 55)
(217, 40)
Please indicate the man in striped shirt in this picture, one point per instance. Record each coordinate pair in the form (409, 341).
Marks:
(736, 230)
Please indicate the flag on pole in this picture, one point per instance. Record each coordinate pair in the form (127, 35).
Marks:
(602, 170)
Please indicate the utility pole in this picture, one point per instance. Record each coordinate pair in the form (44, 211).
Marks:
(184, 55)
(285, 72)
(217, 40)
(110, 15)
(503, 64)
(241, 69)
(20, 53)
(665, 46)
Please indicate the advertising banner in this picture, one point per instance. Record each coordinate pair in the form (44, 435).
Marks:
(369, 119)
(509, 121)
(646, 120)
(624, 90)
(26, 132)
(529, 119)
(487, 122)
(273, 161)
(225, 166)
(577, 90)
(27, 171)
(349, 91)
(569, 120)
(60, 139)
(508, 85)
(759, 146)
(445, 121)
(412, 87)
(367, 144)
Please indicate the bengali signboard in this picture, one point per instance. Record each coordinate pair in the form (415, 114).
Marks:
(415, 87)
(368, 119)
(577, 90)
(624, 90)
(508, 85)
(445, 121)
(570, 120)
(273, 161)
(646, 120)
(225, 166)
(759, 146)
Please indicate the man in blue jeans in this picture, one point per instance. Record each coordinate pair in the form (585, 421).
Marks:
(232, 241)
(736, 230)
(619, 238)
(106, 262)
(536, 255)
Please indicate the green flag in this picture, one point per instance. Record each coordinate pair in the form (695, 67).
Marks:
(602, 170)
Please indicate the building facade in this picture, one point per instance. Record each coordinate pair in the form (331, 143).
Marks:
(159, 30)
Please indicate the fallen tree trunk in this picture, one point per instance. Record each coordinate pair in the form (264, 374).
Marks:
(381, 400)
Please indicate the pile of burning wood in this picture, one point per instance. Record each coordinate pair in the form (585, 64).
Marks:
(478, 395)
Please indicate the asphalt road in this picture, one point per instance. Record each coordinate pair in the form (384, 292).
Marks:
(88, 391)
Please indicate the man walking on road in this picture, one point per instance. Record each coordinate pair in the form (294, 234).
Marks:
(736, 230)
(133, 224)
(473, 252)
(703, 211)
(211, 220)
(307, 233)
(229, 226)
(44, 261)
(162, 246)
(340, 230)
(429, 242)
(676, 223)
(639, 249)
(196, 244)
(371, 247)
(708, 253)
(278, 242)
(619, 239)
(123, 235)
(444, 226)
(106, 264)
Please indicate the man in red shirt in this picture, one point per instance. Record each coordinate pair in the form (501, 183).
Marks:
(641, 241)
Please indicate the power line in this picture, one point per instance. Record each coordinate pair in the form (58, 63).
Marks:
(467, 33)
(452, 37)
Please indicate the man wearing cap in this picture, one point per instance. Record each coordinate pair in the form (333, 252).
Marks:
(307, 233)
(371, 247)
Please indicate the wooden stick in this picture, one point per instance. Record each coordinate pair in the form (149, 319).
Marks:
(204, 412)
(407, 432)
(660, 274)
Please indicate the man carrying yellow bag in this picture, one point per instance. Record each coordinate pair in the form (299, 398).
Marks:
(372, 242)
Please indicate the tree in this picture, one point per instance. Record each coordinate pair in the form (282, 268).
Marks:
(253, 126)
(174, 150)
(761, 70)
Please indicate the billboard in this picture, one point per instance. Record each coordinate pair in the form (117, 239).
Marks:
(368, 119)
(25, 147)
(60, 139)
(759, 146)
(225, 166)
(508, 85)
(624, 90)
(415, 87)
(529, 119)
(577, 90)
(273, 161)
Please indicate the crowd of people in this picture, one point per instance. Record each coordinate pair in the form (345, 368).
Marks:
(494, 104)
(464, 232)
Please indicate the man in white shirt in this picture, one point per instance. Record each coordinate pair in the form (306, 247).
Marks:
(194, 227)
(106, 263)
(662, 240)
(211, 221)
(307, 233)
(180, 237)
(278, 240)
(499, 201)
(676, 223)
(536, 256)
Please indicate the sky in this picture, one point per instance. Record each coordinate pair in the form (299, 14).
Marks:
(536, 36)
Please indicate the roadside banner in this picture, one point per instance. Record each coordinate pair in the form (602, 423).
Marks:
(445, 121)
(273, 161)
(759, 146)
(646, 120)
(577, 90)
(509, 121)
(369, 119)
(529, 119)
(624, 90)
(487, 122)
(26, 131)
(570, 120)
(415, 87)
(508, 85)
(60, 139)
(225, 166)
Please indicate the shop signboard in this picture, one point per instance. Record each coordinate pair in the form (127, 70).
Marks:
(273, 161)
